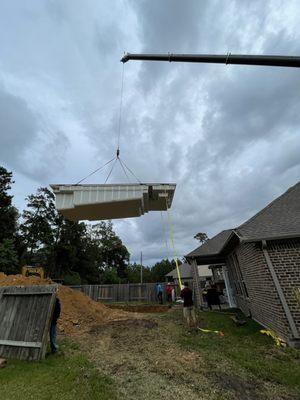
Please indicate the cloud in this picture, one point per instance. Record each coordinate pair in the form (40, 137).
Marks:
(18, 127)
(227, 135)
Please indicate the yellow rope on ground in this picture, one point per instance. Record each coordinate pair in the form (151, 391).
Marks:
(279, 342)
(220, 333)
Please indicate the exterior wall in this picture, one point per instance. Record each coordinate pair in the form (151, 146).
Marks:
(285, 257)
(253, 286)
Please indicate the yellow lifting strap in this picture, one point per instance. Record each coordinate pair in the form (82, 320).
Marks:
(279, 342)
(173, 246)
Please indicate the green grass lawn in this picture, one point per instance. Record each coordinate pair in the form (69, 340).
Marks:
(243, 364)
(64, 376)
(244, 350)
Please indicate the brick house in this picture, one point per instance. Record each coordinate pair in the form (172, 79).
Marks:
(261, 265)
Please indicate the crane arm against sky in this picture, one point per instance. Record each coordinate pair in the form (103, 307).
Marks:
(242, 59)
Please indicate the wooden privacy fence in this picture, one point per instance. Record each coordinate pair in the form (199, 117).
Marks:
(25, 316)
(123, 292)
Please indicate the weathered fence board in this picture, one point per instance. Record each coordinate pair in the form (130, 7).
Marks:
(25, 315)
(124, 292)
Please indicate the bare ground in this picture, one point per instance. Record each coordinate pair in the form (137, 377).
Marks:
(143, 356)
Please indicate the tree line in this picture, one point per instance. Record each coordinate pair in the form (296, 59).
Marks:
(75, 252)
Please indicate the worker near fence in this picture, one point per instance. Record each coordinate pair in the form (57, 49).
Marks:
(189, 314)
(169, 289)
(53, 326)
(159, 293)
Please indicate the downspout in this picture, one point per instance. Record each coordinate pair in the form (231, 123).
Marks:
(280, 291)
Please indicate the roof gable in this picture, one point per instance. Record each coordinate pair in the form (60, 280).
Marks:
(280, 218)
(185, 270)
(213, 246)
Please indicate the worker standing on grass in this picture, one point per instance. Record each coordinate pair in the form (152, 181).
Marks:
(53, 326)
(159, 293)
(188, 306)
(169, 289)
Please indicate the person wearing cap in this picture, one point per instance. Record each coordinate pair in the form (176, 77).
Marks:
(188, 305)
(169, 289)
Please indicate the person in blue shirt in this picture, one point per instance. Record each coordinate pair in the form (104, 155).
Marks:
(159, 293)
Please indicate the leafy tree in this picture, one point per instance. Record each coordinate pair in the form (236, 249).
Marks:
(8, 257)
(134, 273)
(113, 254)
(161, 268)
(39, 226)
(110, 276)
(202, 237)
(8, 213)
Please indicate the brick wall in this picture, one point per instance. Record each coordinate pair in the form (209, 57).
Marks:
(285, 257)
(260, 298)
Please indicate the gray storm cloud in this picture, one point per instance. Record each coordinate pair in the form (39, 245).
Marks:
(228, 136)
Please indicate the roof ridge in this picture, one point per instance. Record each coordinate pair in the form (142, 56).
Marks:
(290, 189)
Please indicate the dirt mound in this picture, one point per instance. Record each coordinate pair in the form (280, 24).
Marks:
(78, 312)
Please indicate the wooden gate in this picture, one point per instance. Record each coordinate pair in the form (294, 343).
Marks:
(25, 316)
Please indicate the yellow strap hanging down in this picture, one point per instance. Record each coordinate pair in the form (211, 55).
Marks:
(173, 245)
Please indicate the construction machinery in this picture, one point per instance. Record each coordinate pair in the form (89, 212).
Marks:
(28, 270)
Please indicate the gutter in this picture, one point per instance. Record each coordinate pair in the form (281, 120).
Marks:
(259, 239)
(280, 291)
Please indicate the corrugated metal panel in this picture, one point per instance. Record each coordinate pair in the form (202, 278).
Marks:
(99, 202)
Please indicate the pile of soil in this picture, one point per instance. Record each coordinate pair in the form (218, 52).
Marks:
(78, 312)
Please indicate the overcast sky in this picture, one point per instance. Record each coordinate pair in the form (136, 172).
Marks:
(229, 136)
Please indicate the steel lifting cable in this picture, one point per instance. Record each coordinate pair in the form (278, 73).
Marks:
(131, 172)
(120, 110)
(111, 170)
(117, 157)
(122, 163)
(96, 170)
(124, 170)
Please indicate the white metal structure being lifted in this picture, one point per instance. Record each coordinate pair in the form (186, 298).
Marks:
(100, 202)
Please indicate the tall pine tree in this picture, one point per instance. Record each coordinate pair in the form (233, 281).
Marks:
(8, 225)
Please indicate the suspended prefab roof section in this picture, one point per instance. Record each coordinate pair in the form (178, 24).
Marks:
(101, 202)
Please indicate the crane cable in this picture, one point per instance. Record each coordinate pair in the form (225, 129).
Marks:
(120, 111)
(117, 156)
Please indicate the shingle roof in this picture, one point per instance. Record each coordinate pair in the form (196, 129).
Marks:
(185, 270)
(212, 246)
(281, 218)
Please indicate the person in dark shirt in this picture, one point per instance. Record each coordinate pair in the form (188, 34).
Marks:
(213, 297)
(188, 305)
(169, 289)
(53, 326)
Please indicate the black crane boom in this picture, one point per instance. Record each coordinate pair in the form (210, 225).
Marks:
(262, 60)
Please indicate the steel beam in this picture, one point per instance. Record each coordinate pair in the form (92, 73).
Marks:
(238, 59)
